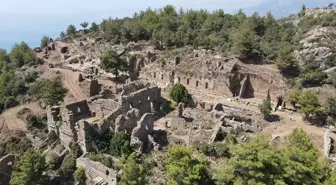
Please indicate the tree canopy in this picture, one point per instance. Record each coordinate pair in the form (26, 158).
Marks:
(71, 31)
(50, 91)
(258, 162)
(182, 168)
(133, 173)
(180, 94)
(31, 167)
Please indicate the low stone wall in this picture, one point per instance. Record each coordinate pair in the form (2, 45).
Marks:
(97, 172)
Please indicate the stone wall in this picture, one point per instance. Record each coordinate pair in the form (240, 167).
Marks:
(97, 172)
(54, 119)
(79, 110)
(63, 119)
(229, 78)
(133, 87)
(82, 133)
(103, 107)
(146, 100)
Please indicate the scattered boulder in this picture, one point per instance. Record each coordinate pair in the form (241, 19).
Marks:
(218, 107)
(80, 78)
(73, 59)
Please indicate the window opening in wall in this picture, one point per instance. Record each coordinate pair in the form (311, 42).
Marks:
(197, 83)
(162, 77)
(187, 81)
(206, 85)
(154, 75)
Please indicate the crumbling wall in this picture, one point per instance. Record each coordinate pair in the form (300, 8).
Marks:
(145, 100)
(79, 109)
(133, 87)
(140, 140)
(63, 119)
(102, 107)
(83, 128)
(126, 123)
(159, 75)
(94, 88)
(54, 119)
(96, 172)
(109, 120)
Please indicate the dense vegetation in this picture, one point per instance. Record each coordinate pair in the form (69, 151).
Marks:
(50, 92)
(257, 161)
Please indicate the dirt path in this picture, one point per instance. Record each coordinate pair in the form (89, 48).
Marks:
(286, 126)
(69, 79)
(10, 122)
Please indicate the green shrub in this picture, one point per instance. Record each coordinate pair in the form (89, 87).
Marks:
(222, 150)
(68, 167)
(265, 108)
(80, 175)
(294, 96)
(44, 41)
(120, 145)
(108, 162)
(50, 91)
(180, 94)
(75, 149)
(207, 149)
(11, 102)
(31, 77)
(35, 121)
(309, 103)
(315, 78)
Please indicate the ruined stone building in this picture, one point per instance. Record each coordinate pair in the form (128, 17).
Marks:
(131, 110)
(216, 75)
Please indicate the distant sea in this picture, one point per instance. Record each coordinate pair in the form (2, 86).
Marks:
(31, 28)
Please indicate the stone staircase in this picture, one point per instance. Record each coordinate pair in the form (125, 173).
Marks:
(95, 178)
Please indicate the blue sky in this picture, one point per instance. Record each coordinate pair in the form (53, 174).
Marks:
(29, 20)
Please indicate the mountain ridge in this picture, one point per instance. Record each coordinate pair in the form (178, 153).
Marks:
(281, 8)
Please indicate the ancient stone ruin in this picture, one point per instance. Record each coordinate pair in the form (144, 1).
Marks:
(132, 113)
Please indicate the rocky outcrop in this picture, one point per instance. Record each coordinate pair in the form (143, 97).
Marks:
(314, 47)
